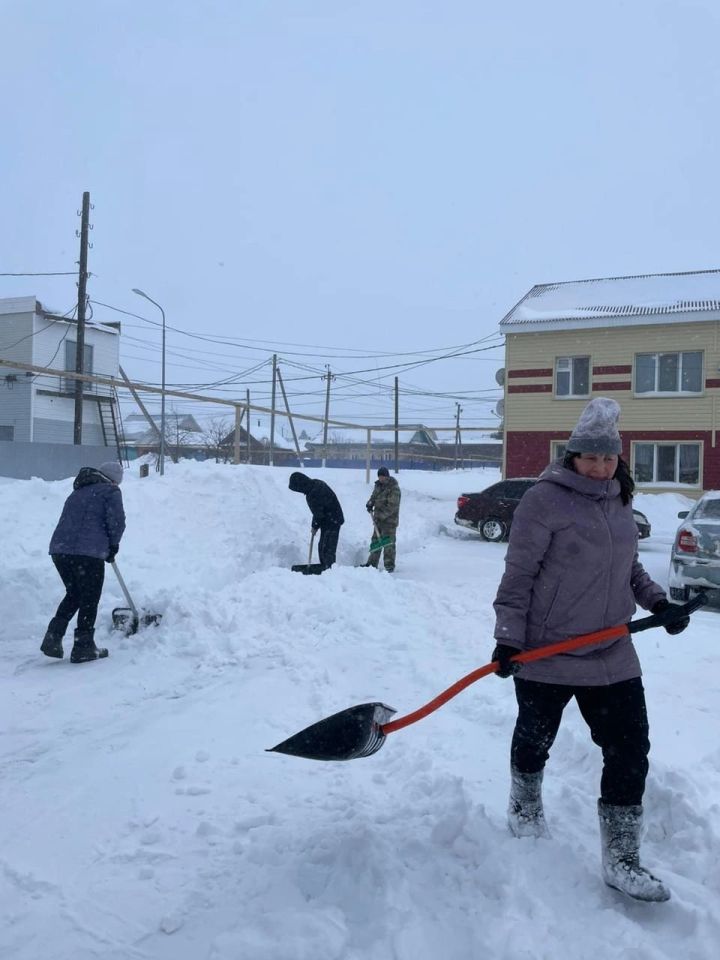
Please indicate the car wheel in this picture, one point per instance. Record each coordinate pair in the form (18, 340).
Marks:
(493, 530)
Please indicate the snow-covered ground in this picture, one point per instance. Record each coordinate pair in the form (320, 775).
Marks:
(141, 817)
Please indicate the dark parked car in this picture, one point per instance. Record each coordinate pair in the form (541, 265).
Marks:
(695, 557)
(490, 512)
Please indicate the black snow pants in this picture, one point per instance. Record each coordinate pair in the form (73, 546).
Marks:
(616, 716)
(327, 548)
(83, 578)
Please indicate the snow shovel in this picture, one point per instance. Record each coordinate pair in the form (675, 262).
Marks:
(308, 567)
(379, 542)
(360, 731)
(127, 618)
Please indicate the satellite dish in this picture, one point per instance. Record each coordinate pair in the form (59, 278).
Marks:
(500, 408)
(500, 377)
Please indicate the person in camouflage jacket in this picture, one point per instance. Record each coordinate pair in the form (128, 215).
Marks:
(384, 506)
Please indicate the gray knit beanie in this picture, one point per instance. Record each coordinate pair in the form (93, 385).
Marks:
(112, 470)
(597, 429)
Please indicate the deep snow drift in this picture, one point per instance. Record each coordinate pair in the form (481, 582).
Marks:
(141, 817)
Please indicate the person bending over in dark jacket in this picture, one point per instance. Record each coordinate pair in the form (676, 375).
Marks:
(327, 515)
(87, 537)
(571, 568)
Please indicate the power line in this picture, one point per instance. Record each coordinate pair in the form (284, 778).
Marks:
(245, 342)
(61, 273)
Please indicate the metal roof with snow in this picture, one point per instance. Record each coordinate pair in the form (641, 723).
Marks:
(617, 301)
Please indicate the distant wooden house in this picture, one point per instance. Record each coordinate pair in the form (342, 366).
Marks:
(258, 451)
(418, 448)
(184, 437)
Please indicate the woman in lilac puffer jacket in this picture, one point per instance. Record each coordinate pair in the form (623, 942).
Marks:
(572, 568)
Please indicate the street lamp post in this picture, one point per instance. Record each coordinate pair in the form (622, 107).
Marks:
(140, 293)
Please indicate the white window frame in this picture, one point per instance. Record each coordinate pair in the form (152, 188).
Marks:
(671, 443)
(569, 359)
(68, 383)
(554, 448)
(669, 393)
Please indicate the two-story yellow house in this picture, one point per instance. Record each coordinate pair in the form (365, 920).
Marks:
(651, 342)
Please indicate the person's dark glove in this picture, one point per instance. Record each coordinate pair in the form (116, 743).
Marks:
(369, 507)
(314, 527)
(114, 547)
(501, 655)
(672, 628)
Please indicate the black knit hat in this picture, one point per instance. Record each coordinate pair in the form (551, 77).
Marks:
(383, 472)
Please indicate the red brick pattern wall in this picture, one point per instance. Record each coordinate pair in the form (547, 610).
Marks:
(527, 454)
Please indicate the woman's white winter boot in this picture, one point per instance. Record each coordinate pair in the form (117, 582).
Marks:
(525, 807)
(620, 830)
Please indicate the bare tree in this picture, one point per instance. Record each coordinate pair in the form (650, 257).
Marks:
(215, 432)
(176, 436)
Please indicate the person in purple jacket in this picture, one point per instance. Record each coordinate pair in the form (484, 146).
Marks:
(87, 537)
(571, 568)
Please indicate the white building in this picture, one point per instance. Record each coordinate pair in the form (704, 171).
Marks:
(36, 408)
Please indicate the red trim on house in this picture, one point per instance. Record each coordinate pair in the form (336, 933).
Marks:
(613, 385)
(711, 383)
(530, 388)
(530, 373)
(528, 452)
(618, 368)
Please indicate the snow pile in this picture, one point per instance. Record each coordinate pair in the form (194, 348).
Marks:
(143, 819)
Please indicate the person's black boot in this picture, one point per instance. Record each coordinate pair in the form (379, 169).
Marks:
(52, 641)
(620, 830)
(84, 648)
(526, 817)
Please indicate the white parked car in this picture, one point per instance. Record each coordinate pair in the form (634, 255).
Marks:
(695, 558)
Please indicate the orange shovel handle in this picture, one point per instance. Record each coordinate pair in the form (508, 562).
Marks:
(609, 633)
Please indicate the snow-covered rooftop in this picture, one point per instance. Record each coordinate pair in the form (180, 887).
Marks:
(618, 301)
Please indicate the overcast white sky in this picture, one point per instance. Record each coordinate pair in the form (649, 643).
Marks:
(366, 176)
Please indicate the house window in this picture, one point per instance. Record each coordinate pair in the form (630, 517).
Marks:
(68, 385)
(669, 372)
(572, 377)
(7, 433)
(667, 463)
(557, 449)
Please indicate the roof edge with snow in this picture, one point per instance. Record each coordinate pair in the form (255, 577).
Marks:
(617, 301)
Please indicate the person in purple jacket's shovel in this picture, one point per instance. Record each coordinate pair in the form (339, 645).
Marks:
(571, 568)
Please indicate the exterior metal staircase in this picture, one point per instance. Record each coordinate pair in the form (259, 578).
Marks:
(111, 424)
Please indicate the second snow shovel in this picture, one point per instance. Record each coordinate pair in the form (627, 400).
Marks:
(360, 731)
(308, 567)
(378, 542)
(127, 618)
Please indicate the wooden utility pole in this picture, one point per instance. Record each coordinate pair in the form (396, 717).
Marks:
(138, 401)
(82, 299)
(292, 425)
(328, 377)
(236, 435)
(247, 425)
(397, 421)
(457, 433)
(272, 408)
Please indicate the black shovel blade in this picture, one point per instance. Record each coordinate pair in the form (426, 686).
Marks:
(355, 732)
(151, 619)
(124, 619)
(307, 568)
